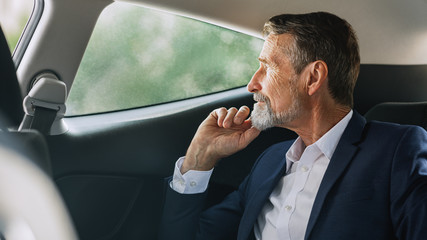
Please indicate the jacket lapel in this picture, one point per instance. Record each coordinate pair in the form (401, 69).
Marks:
(257, 202)
(344, 153)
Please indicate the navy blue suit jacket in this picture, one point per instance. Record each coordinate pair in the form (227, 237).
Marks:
(375, 187)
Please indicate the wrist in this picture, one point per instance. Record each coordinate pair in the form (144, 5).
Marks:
(197, 161)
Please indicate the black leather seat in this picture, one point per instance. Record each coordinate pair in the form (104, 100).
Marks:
(402, 113)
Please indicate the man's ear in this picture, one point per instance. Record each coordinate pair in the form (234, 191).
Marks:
(317, 73)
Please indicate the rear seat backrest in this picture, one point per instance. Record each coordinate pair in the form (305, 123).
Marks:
(402, 113)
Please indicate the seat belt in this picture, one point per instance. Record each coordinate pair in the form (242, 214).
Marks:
(43, 119)
(44, 106)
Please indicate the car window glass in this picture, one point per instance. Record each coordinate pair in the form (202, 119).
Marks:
(14, 15)
(139, 57)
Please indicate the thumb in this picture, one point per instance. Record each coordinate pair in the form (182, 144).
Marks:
(252, 133)
(249, 135)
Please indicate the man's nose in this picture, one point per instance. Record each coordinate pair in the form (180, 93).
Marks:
(255, 84)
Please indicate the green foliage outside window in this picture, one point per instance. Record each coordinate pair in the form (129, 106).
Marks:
(14, 15)
(139, 57)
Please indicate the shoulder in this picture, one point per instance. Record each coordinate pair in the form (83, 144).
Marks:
(394, 138)
(394, 130)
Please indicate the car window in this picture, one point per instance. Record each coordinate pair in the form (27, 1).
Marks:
(14, 15)
(139, 57)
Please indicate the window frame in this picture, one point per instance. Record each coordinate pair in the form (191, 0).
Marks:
(28, 32)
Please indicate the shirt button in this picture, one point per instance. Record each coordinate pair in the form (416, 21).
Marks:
(181, 182)
(193, 184)
(304, 168)
(288, 207)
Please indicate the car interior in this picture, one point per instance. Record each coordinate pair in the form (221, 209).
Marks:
(107, 170)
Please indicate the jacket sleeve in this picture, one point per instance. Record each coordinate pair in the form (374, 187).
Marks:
(184, 218)
(408, 193)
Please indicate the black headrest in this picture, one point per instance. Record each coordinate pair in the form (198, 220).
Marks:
(402, 113)
(10, 94)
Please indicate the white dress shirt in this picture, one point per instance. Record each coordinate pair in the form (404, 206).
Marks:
(286, 214)
(191, 182)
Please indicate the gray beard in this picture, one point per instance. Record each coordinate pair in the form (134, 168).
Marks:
(263, 117)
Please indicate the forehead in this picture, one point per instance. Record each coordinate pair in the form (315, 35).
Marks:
(275, 48)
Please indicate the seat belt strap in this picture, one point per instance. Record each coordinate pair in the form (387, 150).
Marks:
(43, 119)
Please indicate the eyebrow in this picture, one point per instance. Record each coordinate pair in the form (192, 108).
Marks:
(270, 64)
(263, 60)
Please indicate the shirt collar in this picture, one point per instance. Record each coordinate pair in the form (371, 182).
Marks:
(326, 144)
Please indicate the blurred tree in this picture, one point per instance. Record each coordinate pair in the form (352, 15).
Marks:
(14, 15)
(138, 57)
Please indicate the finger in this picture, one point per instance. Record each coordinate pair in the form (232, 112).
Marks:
(229, 119)
(250, 134)
(221, 113)
(241, 115)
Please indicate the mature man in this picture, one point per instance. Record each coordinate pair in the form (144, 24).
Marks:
(342, 178)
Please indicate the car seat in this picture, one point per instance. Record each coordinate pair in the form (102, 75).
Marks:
(412, 113)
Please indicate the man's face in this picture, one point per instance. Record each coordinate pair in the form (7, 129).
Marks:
(275, 86)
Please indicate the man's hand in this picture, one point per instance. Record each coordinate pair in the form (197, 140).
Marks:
(223, 133)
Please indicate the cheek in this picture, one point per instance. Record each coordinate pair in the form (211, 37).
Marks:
(274, 82)
(278, 92)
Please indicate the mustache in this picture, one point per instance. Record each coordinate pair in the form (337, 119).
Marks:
(258, 97)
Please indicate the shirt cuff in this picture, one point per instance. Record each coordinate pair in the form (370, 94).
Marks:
(191, 182)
